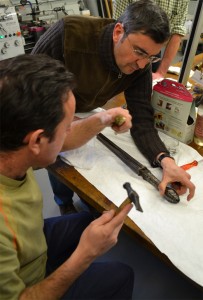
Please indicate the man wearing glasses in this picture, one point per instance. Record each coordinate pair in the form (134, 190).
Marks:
(176, 12)
(108, 58)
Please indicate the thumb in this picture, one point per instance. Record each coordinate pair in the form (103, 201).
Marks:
(162, 187)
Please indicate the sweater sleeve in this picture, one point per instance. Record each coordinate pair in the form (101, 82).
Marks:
(51, 42)
(144, 134)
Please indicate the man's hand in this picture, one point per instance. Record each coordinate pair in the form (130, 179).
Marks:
(109, 117)
(82, 130)
(102, 234)
(157, 76)
(172, 174)
(96, 239)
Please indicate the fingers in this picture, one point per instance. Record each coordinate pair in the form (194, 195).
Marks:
(171, 174)
(106, 217)
(112, 220)
(191, 187)
(123, 128)
(181, 184)
(162, 187)
(180, 189)
(115, 225)
(120, 217)
(111, 116)
(186, 184)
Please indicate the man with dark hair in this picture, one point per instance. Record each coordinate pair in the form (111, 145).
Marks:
(177, 13)
(109, 57)
(52, 258)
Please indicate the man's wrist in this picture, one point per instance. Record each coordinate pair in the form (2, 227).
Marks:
(159, 158)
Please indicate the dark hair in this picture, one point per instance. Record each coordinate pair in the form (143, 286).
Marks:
(33, 89)
(148, 18)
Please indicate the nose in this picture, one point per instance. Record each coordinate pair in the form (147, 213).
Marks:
(142, 62)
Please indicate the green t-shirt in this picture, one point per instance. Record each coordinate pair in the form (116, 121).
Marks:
(23, 249)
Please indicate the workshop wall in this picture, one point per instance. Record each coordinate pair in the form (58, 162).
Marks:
(49, 11)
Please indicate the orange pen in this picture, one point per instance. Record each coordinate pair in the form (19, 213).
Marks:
(189, 165)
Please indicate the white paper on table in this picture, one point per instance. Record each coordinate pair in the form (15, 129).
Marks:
(175, 229)
(176, 71)
(198, 77)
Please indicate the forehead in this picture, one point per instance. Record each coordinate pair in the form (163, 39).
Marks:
(140, 38)
(144, 42)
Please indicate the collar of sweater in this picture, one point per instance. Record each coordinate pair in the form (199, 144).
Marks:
(106, 49)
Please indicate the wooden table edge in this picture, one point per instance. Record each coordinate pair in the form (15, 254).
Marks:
(79, 184)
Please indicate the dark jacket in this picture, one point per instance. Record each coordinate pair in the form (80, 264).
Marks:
(84, 44)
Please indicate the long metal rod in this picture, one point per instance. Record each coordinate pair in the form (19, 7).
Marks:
(170, 194)
(192, 43)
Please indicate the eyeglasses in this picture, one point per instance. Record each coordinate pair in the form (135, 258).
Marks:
(142, 55)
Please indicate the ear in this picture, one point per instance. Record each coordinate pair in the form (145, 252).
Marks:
(34, 140)
(118, 32)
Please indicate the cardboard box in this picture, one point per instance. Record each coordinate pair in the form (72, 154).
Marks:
(174, 110)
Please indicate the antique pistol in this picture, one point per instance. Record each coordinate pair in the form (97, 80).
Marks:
(170, 193)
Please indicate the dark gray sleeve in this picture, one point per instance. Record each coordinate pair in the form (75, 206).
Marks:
(145, 136)
(51, 42)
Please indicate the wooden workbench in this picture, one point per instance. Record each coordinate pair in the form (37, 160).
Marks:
(86, 191)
